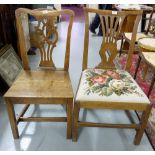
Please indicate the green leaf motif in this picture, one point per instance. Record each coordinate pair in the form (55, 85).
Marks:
(88, 91)
(107, 91)
(119, 93)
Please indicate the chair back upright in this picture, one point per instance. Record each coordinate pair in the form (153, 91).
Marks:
(111, 22)
(41, 37)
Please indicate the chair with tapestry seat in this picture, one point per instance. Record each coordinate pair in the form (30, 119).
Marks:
(149, 32)
(47, 84)
(105, 87)
(147, 58)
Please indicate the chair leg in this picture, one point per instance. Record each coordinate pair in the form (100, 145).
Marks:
(145, 70)
(151, 86)
(138, 64)
(12, 118)
(75, 121)
(143, 123)
(69, 108)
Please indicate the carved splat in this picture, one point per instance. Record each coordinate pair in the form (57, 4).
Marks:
(111, 26)
(45, 37)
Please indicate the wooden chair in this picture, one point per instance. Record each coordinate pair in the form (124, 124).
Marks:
(149, 32)
(48, 84)
(106, 87)
(147, 57)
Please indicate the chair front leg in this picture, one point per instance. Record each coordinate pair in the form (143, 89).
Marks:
(12, 118)
(75, 121)
(69, 109)
(143, 123)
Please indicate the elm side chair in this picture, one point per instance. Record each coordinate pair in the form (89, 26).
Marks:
(105, 87)
(47, 84)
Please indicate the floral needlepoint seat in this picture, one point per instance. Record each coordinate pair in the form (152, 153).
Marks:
(128, 35)
(109, 85)
(150, 57)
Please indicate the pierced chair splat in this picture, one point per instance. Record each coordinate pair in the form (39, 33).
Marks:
(48, 84)
(105, 87)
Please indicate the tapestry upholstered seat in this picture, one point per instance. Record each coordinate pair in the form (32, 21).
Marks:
(147, 44)
(150, 57)
(139, 35)
(109, 86)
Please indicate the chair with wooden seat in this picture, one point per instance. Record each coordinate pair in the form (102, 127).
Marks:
(47, 84)
(105, 87)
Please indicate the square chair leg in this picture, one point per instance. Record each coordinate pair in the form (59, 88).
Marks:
(143, 123)
(69, 108)
(12, 118)
(75, 121)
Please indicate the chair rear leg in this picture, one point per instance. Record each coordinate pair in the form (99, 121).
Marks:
(75, 121)
(121, 47)
(143, 123)
(145, 71)
(137, 67)
(12, 118)
(151, 86)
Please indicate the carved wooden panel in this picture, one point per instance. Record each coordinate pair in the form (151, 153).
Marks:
(44, 36)
(111, 26)
(111, 22)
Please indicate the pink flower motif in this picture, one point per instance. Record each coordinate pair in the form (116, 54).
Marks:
(100, 79)
(113, 74)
